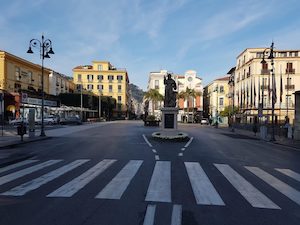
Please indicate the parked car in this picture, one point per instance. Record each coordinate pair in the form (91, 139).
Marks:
(204, 121)
(51, 119)
(70, 120)
(18, 121)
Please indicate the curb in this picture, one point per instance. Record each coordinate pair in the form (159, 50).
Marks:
(12, 145)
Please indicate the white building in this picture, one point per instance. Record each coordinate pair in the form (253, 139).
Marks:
(59, 83)
(188, 80)
(253, 83)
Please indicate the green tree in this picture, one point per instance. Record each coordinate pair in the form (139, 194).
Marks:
(187, 94)
(154, 96)
(228, 111)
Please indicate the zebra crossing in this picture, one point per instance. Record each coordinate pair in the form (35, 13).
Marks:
(159, 188)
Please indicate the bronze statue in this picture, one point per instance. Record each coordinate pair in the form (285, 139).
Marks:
(170, 93)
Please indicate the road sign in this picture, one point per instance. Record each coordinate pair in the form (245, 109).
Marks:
(24, 97)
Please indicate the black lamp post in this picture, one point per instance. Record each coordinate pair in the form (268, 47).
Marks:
(45, 47)
(271, 57)
(231, 83)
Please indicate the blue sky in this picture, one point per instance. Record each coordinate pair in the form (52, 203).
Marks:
(149, 35)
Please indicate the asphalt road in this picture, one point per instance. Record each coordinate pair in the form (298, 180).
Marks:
(118, 175)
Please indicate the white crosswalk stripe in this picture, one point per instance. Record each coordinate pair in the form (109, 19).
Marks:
(204, 191)
(116, 188)
(290, 173)
(13, 176)
(247, 190)
(280, 186)
(159, 189)
(78, 183)
(16, 165)
(36, 183)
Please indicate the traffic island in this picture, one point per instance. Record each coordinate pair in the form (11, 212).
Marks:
(170, 135)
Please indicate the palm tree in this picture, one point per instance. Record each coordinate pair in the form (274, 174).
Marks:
(154, 96)
(187, 94)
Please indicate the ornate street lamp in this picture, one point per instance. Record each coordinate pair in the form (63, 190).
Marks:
(271, 57)
(45, 47)
(231, 84)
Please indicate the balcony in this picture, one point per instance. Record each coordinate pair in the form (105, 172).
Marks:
(248, 74)
(290, 71)
(265, 72)
(290, 87)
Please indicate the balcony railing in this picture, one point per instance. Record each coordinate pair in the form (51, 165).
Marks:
(290, 87)
(290, 71)
(265, 72)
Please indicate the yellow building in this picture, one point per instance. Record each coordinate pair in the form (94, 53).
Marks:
(216, 98)
(103, 79)
(19, 75)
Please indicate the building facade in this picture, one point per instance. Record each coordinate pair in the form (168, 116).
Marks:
(59, 83)
(254, 84)
(18, 76)
(216, 98)
(187, 104)
(103, 79)
(156, 81)
(190, 104)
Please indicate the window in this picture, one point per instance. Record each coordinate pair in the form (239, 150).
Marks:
(40, 79)
(119, 99)
(283, 54)
(30, 80)
(99, 78)
(100, 67)
(289, 68)
(119, 78)
(100, 87)
(110, 88)
(79, 78)
(221, 101)
(119, 88)
(156, 84)
(110, 78)
(259, 54)
(90, 87)
(18, 75)
(90, 77)
(221, 89)
(288, 101)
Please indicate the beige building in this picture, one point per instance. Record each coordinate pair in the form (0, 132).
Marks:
(216, 98)
(103, 79)
(59, 83)
(253, 83)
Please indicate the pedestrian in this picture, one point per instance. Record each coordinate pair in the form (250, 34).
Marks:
(255, 126)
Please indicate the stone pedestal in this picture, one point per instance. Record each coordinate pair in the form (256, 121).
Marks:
(169, 118)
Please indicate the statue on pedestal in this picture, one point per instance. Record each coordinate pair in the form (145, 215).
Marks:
(170, 93)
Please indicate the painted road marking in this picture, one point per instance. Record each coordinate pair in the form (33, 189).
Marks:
(290, 173)
(180, 154)
(150, 214)
(189, 142)
(176, 215)
(154, 151)
(78, 183)
(159, 189)
(156, 157)
(21, 173)
(280, 186)
(36, 183)
(118, 185)
(16, 165)
(247, 190)
(204, 191)
(146, 140)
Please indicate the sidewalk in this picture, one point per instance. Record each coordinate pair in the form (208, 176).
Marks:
(10, 154)
(279, 140)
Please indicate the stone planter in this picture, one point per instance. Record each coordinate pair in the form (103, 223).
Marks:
(151, 123)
